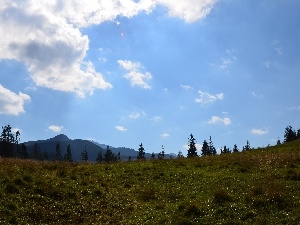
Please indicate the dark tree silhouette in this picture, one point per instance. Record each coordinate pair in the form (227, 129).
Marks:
(99, 158)
(68, 156)
(7, 141)
(205, 151)
(109, 155)
(84, 155)
(180, 155)
(212, 149)
(57, 152)
(290, 134)
(235, 148)
(161, 155)
(225, 150)
(247, 146)
(192, 151)
(153, 155)
(141, 153)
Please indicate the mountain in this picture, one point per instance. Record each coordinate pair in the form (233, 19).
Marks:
(77, 146)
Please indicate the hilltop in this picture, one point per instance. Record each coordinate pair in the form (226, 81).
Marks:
(253, 187)
(77, 146)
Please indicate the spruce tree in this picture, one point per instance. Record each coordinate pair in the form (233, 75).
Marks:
(153, 155)
(109, 156)
(57, 152)
(7, 141)
(247, 146)
(68, 156)
(180, 155)
(84, 155)
(141, 152)
(290, 134)
(99, 158)
(212, 149)
(205, 151)
(235, 148)
(192, 151)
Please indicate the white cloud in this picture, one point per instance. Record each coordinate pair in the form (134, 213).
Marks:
(136, 77)
(225, 63)
(52, 48)
(186, 87)
(215, 119)
(121, 128)
(12, 103)
(156, 118)
(135, 115)
(259, 131)
(256, 95)
(207, 98)
(55, 128)
(188, 10)
(165, 135)
(45, 36)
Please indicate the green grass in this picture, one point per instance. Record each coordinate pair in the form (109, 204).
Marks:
(255, 187)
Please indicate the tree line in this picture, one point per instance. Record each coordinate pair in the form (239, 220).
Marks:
(10, 147)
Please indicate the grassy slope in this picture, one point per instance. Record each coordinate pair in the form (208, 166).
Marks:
(255, 187)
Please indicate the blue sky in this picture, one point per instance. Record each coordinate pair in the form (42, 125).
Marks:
(151, 71)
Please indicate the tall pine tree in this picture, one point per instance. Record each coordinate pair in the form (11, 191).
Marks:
(57, 152)
(68, 156)
(141, 152)
(205, 149)
(192, 151)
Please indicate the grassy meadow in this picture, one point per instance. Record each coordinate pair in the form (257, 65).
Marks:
(255, 187)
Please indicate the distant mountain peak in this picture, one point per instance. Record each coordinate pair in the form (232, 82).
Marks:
(60, 137)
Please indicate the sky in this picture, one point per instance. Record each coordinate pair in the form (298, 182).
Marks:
(125, 72)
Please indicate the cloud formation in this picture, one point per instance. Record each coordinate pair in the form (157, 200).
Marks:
(46, 37)
(55, 128)
(12, 103)
(188, 10)
(136, 77)
(165, 135)
(205, 97)
(135, 115)
(259, 131)
(215, 119)
(121, 128)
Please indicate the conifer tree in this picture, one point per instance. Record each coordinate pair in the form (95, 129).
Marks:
(109, 156)
(205, 151)
(235, 148)
(247, 146)
(7, 141)
(68, 156)
(153, 155)
(57, 152)
(192, 151)
(180, 155)
(225, 150)
(84, 155)
(99, 158)
(141, 153)
(161, 155)
(212, 149)
(290, 134)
